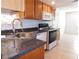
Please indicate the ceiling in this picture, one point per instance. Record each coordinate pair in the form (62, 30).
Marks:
(59, 3)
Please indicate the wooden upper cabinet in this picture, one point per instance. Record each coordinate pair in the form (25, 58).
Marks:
(15, 5)
(38, 9)
(34, 9)
(49, 9)
(44, 7)
(29, 9)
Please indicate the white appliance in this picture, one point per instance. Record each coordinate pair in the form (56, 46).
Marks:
(47, 16)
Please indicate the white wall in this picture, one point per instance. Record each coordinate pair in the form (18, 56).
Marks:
(26, 24)
(59, 21)
(6, 22)
(60, 18)
(71, 25)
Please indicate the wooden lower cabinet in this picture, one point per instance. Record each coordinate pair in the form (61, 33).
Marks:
(38, 53)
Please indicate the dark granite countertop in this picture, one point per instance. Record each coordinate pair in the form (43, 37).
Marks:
(27, 46)
(7, 32)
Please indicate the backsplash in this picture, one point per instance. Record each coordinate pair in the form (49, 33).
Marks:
(30, 23)
(26, 24)
(7, 23)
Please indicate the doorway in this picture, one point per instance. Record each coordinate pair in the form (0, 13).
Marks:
(72, 23)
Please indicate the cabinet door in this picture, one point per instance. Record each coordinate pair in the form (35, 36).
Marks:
(20, 5)
(38, 53)
(38, 9)
(49, 9)
(8, 4)
(29, 9)
(16, 5)
(44, 7)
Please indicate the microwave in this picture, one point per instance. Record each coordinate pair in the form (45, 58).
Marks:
(47, 16)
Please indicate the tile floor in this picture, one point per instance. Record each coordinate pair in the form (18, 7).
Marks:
(67, 48)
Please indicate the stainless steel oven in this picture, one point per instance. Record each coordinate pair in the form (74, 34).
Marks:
(52, 35)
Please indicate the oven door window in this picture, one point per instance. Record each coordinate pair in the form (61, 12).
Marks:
(52, 36)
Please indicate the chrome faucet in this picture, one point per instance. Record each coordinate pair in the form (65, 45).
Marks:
(14, 30)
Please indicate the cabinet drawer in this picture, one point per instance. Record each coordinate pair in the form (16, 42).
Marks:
(35, 54)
